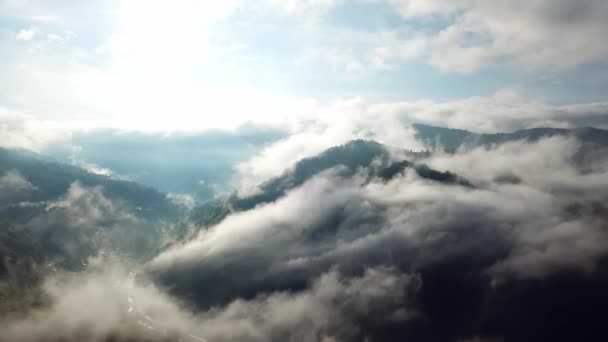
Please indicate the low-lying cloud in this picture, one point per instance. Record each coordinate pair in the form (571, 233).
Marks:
(532, 213)
(13, 183)
(320, 127)
(121, 308)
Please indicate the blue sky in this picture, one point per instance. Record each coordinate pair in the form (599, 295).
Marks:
(192, 65)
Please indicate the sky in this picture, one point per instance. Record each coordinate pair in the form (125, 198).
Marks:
(201, 98)
(189, 65)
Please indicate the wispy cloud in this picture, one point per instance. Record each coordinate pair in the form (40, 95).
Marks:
(43, 18)
(27, 34)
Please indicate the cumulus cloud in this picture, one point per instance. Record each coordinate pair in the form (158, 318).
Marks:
(27, 34)
(563, 226)
(485, 33)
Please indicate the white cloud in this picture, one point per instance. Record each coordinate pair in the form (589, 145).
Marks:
(186, 200)
(116, 306)
(273, 224)
(147, 76)
(330, 310)
(547, 220)
(543, 34)
(119, 307)
(546, 238)
(13, 182)
(321, 127)
(84, 207)
(506, 110)
(315, 128)
(27, 34)
(22, 130)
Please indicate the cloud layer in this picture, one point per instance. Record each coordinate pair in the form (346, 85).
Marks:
(122, 309)
(532, 214)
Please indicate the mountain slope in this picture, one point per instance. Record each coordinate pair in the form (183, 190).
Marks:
(371, 157)
(58, 215)
(42, 179)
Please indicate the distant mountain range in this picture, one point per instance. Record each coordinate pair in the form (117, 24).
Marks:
(358, 154)
(49, 180)
(451, 139)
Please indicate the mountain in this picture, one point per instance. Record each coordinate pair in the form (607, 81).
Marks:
(452, 139)
(55, 216)
(500, 258)
(357, 155)
(39, 178)
(364, 233)
(353, 156)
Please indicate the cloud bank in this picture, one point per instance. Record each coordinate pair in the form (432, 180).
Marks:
(120, 308)
(533, 218)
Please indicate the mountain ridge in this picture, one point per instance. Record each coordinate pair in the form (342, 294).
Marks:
(451, 139)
